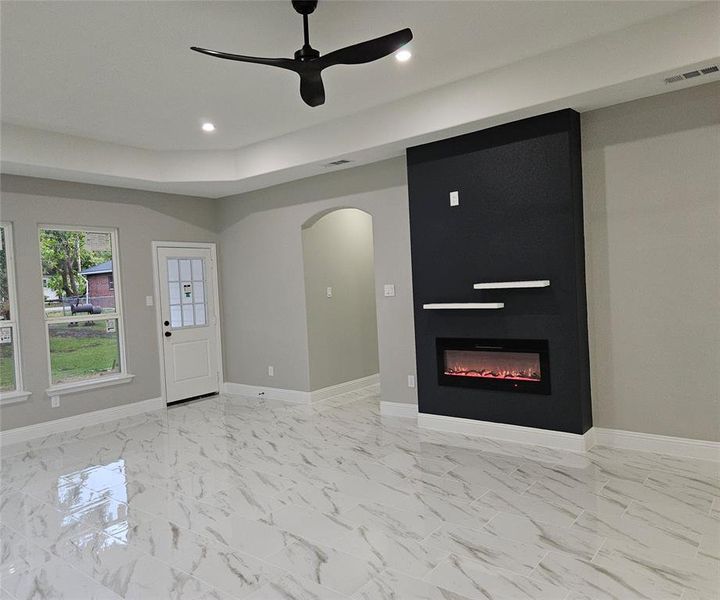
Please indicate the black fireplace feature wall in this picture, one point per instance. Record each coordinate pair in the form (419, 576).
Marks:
(494, 364)
(518, 217)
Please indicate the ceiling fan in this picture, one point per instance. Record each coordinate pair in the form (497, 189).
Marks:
(308, 63)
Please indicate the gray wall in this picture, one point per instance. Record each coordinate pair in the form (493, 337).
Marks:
(140, 218)
(264, 316)
(652, 196)
(342, 329)
(652, 210)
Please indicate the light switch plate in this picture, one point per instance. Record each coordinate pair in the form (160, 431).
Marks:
(54, 401)
(454, 198)
(328, 292)
(411, 381)
(149, 301)
(389, 290)
(271, 371)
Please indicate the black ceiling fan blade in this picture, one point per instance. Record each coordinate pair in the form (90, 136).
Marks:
(283, 63)
(312, 89)
(366, 52)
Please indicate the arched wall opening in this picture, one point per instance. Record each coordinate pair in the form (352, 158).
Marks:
(339, 273)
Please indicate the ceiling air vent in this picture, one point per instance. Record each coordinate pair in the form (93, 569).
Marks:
(337, 163)
(709, 70)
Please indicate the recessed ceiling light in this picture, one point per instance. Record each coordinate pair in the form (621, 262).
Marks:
(208, 127)
(403, 55)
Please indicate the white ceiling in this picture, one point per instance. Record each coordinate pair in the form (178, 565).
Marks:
(122, 72)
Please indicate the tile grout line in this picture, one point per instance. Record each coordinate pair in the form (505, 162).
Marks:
(592, 560)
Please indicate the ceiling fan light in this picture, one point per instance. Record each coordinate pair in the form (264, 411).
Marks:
(403, 55)
(208, 127)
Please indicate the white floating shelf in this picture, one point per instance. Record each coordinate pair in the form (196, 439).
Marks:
(464, 306)
(504, 285)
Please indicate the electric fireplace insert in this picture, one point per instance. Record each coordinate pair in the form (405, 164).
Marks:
(495, 364)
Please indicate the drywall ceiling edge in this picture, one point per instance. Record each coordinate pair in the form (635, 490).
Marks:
(616, 67)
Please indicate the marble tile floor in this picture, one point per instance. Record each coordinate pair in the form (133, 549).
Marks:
(243, 498)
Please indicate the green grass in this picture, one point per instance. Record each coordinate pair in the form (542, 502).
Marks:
(7, 368)
(82, 352)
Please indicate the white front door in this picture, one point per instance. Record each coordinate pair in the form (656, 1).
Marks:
(187, 282)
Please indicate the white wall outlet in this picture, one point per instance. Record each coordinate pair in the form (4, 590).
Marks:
(411, 381)
(149, 301)
(389, 290)
(55, 401)
(271, 371)
(454, 198)
(328, 291)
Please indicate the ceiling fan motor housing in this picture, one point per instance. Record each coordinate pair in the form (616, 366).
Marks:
(304, 7)
(306, 53)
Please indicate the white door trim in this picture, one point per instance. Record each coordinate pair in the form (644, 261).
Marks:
(158, 315)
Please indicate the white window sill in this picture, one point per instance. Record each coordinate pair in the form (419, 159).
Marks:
(82, 386)
(13, 397)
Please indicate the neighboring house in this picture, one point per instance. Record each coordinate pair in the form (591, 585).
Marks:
(100, 284)
(48, 292)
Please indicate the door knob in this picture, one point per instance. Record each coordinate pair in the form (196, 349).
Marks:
(166, 323)
(168, 334)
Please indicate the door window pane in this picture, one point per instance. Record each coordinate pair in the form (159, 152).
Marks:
(7, 360)
(175, 316)
(173, 269)
(187, 292)
(188, 316)
(83, 350)
(174, 292)
(199, 314)
(197, 269)
(185, 270)
(199, 292)
(77, 273)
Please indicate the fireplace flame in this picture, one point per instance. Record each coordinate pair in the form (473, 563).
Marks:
(517, 366)
(515, 375)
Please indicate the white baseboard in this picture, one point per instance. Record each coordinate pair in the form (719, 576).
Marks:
(29, 432)
(510, 433)
(398, 409)
(660, 444)
(299, 396)
(242, 389)
(342, 388)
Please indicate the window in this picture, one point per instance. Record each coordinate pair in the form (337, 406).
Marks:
(186, 286)
(10, 375)
(82, 307)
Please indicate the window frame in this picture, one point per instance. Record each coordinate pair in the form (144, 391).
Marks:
(122, 376)
(19, 394)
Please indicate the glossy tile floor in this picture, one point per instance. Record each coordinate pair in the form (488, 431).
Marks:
(234, 497)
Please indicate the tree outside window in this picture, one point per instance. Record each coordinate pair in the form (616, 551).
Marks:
(65, 254)
(81, 308)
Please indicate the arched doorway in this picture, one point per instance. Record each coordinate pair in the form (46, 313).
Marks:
(339, 271)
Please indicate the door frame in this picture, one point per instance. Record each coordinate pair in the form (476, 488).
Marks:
(212, 246)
